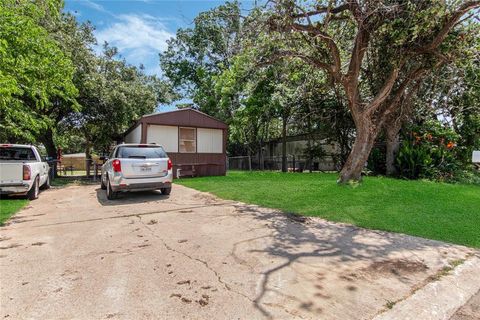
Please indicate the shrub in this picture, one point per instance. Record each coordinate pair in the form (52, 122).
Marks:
(430, 152)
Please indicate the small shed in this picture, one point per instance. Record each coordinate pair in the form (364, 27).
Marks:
(195, 142)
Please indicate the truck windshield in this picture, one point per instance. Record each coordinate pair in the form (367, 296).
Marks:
(144, 152)
(16, 153)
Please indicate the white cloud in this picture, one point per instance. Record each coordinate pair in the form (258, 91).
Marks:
(94, 5)
(138, 38)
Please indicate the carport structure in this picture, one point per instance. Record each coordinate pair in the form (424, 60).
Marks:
(194, 141)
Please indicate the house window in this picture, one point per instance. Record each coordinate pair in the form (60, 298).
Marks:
(187, 140)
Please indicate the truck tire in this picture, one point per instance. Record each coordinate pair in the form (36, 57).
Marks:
(166, 191)
(111, 195)
(34, 190)
(46, 185)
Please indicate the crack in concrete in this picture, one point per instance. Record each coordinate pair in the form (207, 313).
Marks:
(129, 215)
(205, 263)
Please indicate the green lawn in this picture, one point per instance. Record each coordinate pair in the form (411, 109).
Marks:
(440, 211)
(10, 206)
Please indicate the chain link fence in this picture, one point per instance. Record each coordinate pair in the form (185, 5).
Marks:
(294, 163)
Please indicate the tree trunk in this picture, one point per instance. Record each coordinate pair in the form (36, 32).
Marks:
(261, 164)
(47, 141)
(393, 145)
(310, 157)
(284, 144)
(88, 158)
(364, 140)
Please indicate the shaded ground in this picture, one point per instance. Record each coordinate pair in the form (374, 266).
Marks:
(72, 253)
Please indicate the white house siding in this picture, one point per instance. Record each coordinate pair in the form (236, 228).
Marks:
(209, 140)
(165, 136)
(135, 136)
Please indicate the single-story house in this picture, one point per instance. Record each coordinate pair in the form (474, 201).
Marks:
(195, 142)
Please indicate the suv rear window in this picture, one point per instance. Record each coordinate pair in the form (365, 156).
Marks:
(143, 152)
(16, 153)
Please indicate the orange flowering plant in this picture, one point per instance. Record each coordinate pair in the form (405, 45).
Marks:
(429, 151)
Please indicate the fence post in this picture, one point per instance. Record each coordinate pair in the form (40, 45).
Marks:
(293, 160)
(250, 163)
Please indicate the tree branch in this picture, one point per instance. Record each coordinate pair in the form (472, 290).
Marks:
(293, 54)
(350, 80)
(383, 94)
(328, 40)
(449, 24)
(321, 10)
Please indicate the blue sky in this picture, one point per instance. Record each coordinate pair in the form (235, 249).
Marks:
(139, 29)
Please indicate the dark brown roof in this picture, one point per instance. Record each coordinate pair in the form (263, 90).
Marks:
(184, 117)
(181, 117)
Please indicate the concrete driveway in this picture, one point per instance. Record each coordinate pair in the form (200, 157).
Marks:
(74, 254)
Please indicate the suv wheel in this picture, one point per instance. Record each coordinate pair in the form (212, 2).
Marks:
(166, 191)
(102, 184)
(111, 195)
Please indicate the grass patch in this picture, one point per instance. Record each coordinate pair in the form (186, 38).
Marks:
(9, 207)
(446, 212)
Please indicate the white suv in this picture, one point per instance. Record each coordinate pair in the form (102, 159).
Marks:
(137, 167)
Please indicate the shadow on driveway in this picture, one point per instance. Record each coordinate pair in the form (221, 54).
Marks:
(296, 240)
(125, 198)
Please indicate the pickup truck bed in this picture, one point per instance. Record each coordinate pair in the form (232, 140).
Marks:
(22, 171)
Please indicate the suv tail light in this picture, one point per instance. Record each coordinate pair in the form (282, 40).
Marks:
(117, 166)
(27, 173)
(169, 164)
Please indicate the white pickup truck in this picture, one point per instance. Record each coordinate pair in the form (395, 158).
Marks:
(22, 171)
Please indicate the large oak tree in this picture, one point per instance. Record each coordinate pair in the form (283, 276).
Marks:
(409, 39)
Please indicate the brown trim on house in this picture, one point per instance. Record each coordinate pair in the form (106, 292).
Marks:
(144, 132)
(202, 163)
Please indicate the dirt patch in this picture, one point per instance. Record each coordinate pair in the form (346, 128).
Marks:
(204, 300)
(186, 300)
(395, 266)
(205, 197)
(296, 218)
